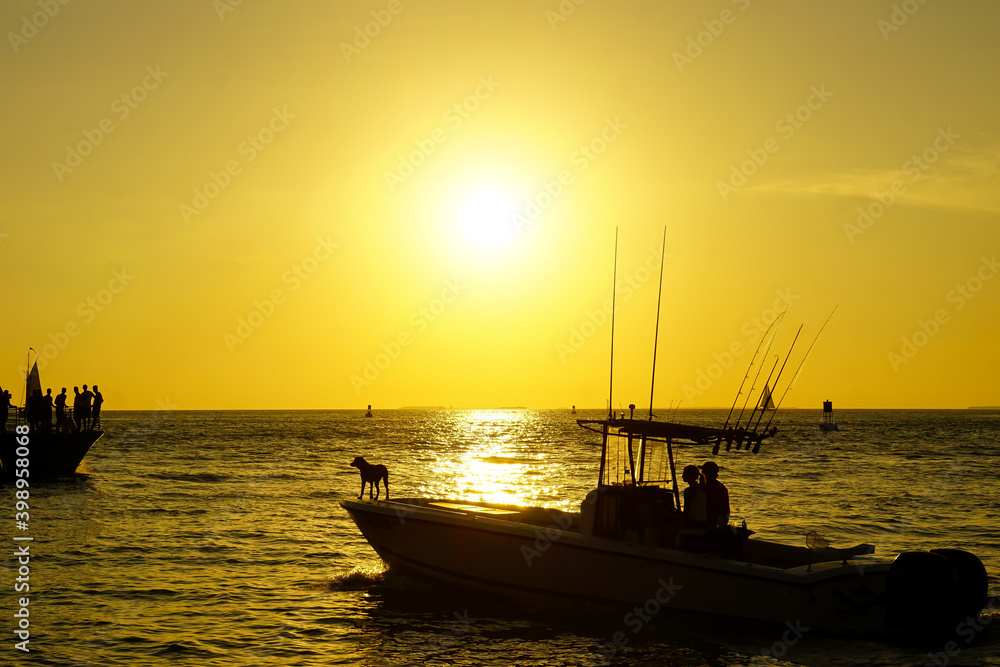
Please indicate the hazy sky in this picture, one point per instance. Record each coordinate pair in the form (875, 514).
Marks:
(306, 204)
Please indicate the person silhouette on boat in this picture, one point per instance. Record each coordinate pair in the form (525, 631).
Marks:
(695, 517)
(77, 408)
(60, 404)
(695, 498)
(86, 397)
(717, 496)
(5, 404)
(32, 408)
(46, 409)
(95, 413)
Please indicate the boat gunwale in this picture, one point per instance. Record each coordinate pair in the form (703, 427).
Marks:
(801, 575)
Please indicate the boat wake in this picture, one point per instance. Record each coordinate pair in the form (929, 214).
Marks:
(359, 578)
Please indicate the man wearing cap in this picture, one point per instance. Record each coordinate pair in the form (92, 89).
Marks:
(718, 495)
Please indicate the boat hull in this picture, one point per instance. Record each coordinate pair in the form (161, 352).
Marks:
(512, 558)
(50, 454)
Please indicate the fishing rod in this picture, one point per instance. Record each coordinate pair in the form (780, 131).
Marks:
(656, 331)
(749, 368)
(799, 369)
(729, 440)
(746, 429)
(756, 377)
(764, 408)
(614, 289)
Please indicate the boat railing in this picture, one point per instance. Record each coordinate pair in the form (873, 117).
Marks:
(18, 416)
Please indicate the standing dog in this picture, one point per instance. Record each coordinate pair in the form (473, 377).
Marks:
(371, 475)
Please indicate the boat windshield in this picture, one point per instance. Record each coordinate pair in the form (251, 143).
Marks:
(636, 460)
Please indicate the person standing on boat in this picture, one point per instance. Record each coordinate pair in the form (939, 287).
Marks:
(95, 415)
(32, 408)
(77, 408)
(717, 508)
(695, 498)
(5, 404)
(46, 409)
(61, 409)
(86, 396)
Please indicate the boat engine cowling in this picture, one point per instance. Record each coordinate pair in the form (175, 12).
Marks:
(934, 588)
(973, 582)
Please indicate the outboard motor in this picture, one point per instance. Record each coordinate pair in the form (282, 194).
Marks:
(934, 589)
(973, 582)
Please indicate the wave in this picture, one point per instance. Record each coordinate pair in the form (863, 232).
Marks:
(522, 460)
(190, 477)
(359, 578)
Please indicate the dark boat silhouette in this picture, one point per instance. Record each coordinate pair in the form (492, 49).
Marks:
(48, 451)
(634, 544)
(51, 454)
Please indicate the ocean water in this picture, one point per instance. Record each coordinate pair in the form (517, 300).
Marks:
(216, 538)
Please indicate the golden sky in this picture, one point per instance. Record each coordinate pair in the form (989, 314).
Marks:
(305, 204)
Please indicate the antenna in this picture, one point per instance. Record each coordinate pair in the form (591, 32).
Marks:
(614, 287)
(656, 332)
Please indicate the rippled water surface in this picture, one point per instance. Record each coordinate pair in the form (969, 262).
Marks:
(208, 538)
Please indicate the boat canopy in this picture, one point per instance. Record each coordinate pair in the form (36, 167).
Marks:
(656, 429)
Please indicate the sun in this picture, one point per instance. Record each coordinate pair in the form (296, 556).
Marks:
(485, 220)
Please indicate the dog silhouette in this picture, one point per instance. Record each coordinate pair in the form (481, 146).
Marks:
(371, 475)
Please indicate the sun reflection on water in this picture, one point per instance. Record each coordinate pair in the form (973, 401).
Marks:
(499, 461)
